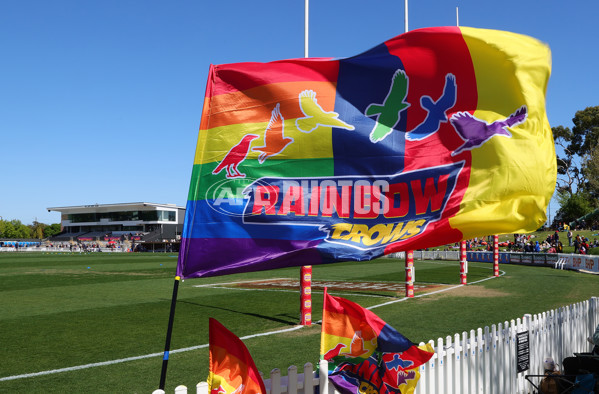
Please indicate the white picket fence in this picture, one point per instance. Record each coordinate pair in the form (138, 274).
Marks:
(481, 361)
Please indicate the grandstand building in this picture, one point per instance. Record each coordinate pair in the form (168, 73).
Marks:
(147, 222)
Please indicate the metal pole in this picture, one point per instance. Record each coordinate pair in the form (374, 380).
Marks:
(169, 332)
(457, 16)
(405, 16)
(306, 17)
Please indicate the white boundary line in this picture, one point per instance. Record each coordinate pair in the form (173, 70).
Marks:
(124, 360)
(501, 273)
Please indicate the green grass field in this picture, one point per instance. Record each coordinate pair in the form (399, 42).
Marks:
(67, 310)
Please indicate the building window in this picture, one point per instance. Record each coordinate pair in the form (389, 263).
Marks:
(124, 216)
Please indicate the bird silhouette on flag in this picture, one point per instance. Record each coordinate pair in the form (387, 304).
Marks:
(274, 140)
(476, 132)
(221, 390)
(436, 111)
(388, 113)
(357, 346)
(316, 116)
(235, 156)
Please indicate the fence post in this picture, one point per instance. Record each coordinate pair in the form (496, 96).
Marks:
(292, 380)
(181, 389)
(308, 378)
(275, 381)
(202, 388)
(449, 365)
(323, 370)
(593, 318)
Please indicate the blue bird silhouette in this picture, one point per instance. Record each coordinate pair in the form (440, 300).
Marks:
(436, 111)
(398, 363)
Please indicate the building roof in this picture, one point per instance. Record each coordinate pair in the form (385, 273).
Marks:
(130, 206)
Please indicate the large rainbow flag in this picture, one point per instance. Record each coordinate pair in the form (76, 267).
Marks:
(232, 369)
(434, 136)
(365, 354)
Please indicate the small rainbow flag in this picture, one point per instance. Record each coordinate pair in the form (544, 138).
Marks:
(232, 370)
(365, 354)
(434, 136)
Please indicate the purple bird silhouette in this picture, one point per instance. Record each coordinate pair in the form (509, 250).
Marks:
(404, 376)
(476, 132)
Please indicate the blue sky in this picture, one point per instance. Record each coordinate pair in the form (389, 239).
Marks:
(100, 101)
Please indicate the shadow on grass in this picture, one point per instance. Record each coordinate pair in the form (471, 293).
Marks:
(289, 322)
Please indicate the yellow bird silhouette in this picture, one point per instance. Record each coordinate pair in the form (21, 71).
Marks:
(316, 116)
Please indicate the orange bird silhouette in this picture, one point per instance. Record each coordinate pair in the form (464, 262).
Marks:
(274, 139)
(235, 156)
(357, 345)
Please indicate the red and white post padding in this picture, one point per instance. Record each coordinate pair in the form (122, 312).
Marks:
(306, 296)
(410, 273)
(463, 264)
(496, 255)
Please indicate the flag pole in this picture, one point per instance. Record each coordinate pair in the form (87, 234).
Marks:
(306, 17)
(169, 331)
(405, 18)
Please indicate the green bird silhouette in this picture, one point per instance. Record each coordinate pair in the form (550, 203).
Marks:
(388, 113)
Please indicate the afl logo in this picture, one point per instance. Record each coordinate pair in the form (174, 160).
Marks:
(229, 196)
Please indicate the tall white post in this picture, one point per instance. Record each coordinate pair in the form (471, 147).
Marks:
(306, 14)
(457, 16)
(405, 16)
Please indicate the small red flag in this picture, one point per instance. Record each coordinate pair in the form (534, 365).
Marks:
(232, 369)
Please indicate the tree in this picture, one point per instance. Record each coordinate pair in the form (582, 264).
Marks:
(37, 229)
(15, 229)
(591, 170)
(569, 177)
(585, 133)
(52, 230)
(21, 230)
(578, 165)
(9, 230)
(578, 145)
(573, 206)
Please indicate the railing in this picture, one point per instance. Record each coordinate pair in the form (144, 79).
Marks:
(429, 255)
(485, 360)
(481, 361)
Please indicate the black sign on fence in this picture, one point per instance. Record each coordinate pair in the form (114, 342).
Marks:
(522, 351)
